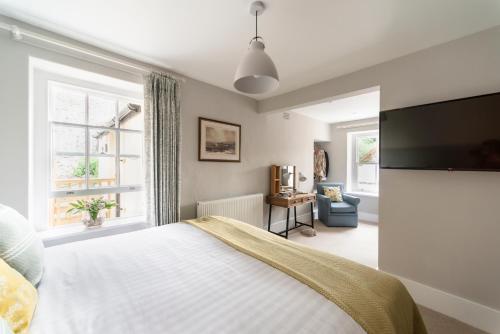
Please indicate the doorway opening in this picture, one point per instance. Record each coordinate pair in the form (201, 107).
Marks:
(347, 226)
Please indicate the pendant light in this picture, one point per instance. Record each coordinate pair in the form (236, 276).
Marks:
(256, 73)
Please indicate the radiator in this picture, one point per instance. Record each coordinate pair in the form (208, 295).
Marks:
(248, 209)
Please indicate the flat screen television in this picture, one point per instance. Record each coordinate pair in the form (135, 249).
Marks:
(462, 134)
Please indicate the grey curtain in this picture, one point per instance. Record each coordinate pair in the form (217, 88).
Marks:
(162, 148)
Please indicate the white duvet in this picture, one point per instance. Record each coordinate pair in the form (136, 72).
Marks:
(174, 279)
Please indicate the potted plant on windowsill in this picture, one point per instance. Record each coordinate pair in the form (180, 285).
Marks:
(93, 210)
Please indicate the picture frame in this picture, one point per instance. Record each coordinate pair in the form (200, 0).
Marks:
(218, 141)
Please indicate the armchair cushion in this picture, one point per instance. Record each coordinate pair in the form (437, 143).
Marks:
(320, 186)
(334, 193)
(342, 207)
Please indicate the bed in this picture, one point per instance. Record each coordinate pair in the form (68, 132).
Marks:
(175, 279)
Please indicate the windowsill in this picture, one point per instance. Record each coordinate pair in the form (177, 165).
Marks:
(360, 193)
(77, 232)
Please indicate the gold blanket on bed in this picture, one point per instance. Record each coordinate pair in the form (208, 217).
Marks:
(375, 300)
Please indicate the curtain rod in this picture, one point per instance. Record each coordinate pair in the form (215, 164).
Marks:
(18, 34)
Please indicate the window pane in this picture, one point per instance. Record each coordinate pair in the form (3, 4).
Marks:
(67, 105)
(102, 142)
(131, 171)
(364, 164)
(130, 143)
(131, 204)
(68, 172)
(367, 150)
(102, 111)
(102, 172)
(131, 115)
(68, 140)
(58, 208)
(368, 178)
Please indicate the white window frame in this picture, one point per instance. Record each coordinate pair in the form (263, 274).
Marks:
(352, 161)
(40, 127)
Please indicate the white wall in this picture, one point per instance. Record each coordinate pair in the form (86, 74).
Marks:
(266, 139)
(337, 151)
(438, 228)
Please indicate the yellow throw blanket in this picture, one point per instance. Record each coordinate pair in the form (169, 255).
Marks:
(377, 301)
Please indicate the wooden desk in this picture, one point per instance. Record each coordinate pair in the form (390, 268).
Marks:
(290, 202)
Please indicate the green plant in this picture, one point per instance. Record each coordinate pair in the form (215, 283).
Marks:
(79, 170)
(92, 206)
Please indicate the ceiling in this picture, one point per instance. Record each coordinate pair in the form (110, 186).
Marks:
(344, 109)
(309, 41)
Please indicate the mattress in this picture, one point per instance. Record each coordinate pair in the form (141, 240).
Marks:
(174, 279)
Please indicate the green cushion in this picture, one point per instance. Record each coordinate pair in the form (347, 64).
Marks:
(20, 246)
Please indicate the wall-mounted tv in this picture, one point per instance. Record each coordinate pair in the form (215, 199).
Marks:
(462, 134)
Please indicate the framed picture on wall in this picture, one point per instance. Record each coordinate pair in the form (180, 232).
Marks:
(219, 141)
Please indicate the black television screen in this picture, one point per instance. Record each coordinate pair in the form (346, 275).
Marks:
(461, 134)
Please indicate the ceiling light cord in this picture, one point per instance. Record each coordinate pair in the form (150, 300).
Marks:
(257, 37)
(256, 16)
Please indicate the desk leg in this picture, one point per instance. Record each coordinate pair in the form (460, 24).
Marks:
(312, 214)
(269, 220)
(287, 218)
(295, 215)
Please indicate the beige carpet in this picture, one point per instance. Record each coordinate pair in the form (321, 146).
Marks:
(361, 245)
(358, 244)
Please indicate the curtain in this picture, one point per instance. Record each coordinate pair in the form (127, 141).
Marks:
(162, 148)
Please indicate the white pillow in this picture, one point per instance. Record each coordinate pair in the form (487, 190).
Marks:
(20, 246)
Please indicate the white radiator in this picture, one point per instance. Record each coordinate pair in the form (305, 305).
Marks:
(248, 209)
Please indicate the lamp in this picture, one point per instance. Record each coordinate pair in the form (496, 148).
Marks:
(256, 72)
(302, 178)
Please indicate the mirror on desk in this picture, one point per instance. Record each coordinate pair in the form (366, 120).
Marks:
(287, 178)
(283, 179)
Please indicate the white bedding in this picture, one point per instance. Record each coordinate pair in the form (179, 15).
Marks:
(174, 279)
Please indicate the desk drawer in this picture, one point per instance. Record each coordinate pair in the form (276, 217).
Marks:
(309, 199)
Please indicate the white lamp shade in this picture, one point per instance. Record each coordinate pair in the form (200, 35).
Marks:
(256, 73)
(302, 177)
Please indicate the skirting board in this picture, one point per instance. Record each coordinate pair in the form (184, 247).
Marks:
(306, 217)
(469, 312)
(368, 217)
(281, 224)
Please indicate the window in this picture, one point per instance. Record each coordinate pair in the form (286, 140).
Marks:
(363, 171)
(93, 148)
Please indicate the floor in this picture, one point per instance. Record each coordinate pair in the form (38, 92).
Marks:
(358, 244)
(361, 245)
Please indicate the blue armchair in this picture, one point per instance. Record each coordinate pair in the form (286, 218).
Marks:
(340, 214)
